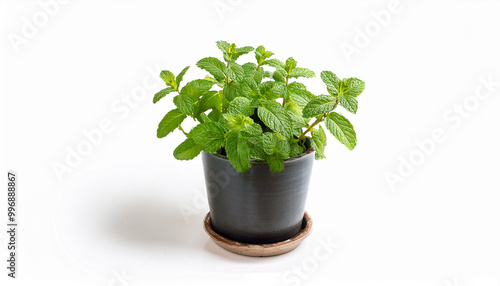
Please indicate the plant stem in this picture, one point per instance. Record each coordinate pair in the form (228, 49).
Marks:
(318, 120)
(180, 128)
(286, 84)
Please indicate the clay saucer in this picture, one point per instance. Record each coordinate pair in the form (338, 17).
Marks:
(261, 250)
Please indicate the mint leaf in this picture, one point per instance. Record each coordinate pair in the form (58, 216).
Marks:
(296, 149)
(241, 123)
(232, 91)
(256, 147)
(348, 102)
(290, 65)
(170, 122)
(282, 149)
(223, 46)
(238, 152)
(215, 115)
(237, 72)
(180, 76)
(271, 144)
(269, 141)
(187, 150)
(318, 142)
(279, 76)
(332, 82)
(184, 103)
(301, 72)
(342, 129)
(259, 75)
(275, 63)
(295, 113)
(354, 86)
(209, 100)
(162, 93)
(209, 135)
(298, 93)
(261, 54)
(240, 105)
(169, 79)
(241, 51)
(319, 105)
(275, 117)
(266, 87)
(196, 88)
(214, 66)
(278, 91)
(275, 163)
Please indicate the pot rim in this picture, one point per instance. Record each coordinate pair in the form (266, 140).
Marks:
(259, 161)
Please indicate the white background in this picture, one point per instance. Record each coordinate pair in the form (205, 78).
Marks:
(130, 214)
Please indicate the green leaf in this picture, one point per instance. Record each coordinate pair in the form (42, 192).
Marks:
(202, 117)
(332, 82)
(241, 123)
(249, 88)
(275, 63)
(223, 46)
(162, 93)
(301, 72)
(269, 141)
(298, 93)
(349, 102)
(256, 147)
(241, 51)
(276, 164)
(261, 54)
(232, 91)
(279, 76)
(180, 76)
(240, 105)
(238, 152)
(266, 87)
(214, 66)
(296, 149)
(209, 135)
(295, 113)
(169, 79)
(354, 86)
(318, 142)
(237, 72)
(283, 149)
(319, 105)
(170, 122)
(184, 103)
(259, 75)
(278, 91)
(187, 150)
(342, 129)
(196, 88)
(273, 145)
(275, 117)
(215, 115)
(209, 100)
(290, 65)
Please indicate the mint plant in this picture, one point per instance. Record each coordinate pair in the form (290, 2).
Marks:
(247, 112)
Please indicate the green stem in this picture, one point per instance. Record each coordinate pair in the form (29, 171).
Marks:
(318, 120)
(180, 128)
(286, 84)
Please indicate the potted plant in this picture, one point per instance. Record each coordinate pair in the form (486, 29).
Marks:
(259, 131)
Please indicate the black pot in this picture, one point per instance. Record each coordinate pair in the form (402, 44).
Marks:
(260, 206)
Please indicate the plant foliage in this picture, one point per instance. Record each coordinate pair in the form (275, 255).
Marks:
(256, 110)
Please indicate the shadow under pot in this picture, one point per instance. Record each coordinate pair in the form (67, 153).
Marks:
(259, 207)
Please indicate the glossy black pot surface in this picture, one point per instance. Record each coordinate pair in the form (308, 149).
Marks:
(260, 206)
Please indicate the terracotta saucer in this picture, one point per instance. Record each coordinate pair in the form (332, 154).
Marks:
(261, 250)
